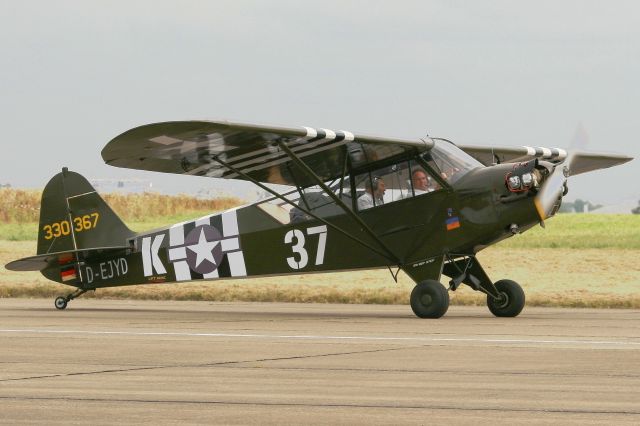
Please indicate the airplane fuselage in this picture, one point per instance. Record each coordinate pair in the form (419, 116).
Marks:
(252, 241)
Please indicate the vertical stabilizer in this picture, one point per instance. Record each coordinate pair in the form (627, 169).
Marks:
(74, 217)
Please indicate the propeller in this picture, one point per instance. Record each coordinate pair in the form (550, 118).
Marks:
(553, 187)
(555, 184)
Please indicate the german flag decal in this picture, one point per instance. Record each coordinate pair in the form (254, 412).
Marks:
(68, 273)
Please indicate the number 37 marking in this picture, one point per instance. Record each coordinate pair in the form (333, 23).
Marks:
(298, 247)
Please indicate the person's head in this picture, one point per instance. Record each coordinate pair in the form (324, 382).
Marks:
(375, 187)
(420, 180)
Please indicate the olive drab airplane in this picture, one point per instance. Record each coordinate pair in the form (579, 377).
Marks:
(423, 206)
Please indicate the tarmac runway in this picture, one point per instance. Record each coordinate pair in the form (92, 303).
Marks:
(107, 361)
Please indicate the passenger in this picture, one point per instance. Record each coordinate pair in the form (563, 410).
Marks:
(372, 193)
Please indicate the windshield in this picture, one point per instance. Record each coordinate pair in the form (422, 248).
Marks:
(451, 161)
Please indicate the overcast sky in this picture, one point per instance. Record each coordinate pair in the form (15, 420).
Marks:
(75, 74)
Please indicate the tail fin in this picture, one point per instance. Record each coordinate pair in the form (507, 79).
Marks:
(74, 217)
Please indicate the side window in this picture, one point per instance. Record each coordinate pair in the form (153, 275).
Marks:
(370, 191)
(315, 200)
(312, 199)
(383, 186)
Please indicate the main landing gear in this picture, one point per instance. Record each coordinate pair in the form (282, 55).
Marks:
(62, 301)
(430, 299)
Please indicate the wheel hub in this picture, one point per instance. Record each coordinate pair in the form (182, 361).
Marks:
(61, 303)
(426, 299)
(503, 301)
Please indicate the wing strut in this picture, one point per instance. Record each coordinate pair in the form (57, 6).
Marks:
(305, 211)
(339, 202)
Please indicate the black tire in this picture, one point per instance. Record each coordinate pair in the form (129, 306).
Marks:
(429, 299)
(513, 299)
(60, 303)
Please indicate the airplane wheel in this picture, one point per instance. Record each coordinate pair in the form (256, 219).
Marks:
(512, 301)
(429, 299)
(60, 302)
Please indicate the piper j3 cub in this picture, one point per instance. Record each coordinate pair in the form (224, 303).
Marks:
(424, 206)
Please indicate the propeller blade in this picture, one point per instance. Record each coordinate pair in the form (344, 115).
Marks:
(553, 187)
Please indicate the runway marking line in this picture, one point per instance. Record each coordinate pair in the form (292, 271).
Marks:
(328, 337)
(325, 405)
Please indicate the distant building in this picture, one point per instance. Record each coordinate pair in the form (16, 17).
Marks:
(579, 206)
(122, 185)
(622, 207)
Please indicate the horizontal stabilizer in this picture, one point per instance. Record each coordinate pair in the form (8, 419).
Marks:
(44, 261)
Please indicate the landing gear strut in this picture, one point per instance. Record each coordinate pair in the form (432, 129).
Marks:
(62, 301)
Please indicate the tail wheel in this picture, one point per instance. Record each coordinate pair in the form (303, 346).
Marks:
(60, 302)
(429, 299)
(511, 300)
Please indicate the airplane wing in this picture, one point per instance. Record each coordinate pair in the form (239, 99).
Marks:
(192, 148)
(495, 155)
(582, 162)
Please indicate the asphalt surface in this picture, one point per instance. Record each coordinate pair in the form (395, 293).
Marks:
(106, 362)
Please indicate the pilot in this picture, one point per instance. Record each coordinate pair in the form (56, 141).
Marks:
(373, 191)
(422, 183)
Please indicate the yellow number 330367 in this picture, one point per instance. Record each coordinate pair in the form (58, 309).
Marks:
(63, 228)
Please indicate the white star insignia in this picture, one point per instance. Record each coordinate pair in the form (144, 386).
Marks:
(204, 249)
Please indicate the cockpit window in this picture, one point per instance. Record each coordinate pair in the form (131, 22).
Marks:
(376, 187)
(451, 162)
(393, 183)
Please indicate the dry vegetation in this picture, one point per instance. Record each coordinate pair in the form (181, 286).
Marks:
(578, 261)
(23, 206)
(19, 205)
